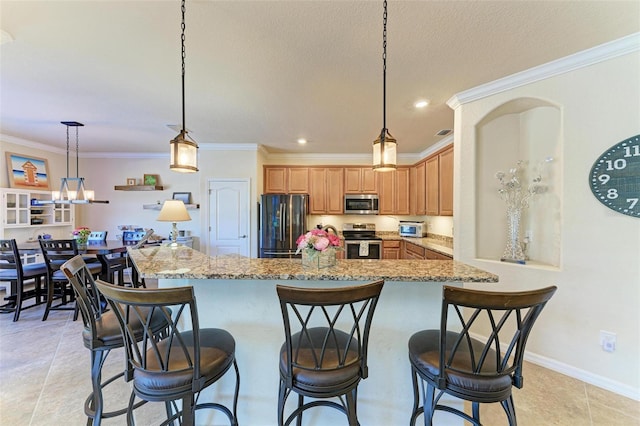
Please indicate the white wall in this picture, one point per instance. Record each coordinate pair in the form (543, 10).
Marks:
(598, 276)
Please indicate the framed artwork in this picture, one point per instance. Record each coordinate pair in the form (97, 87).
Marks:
(185, 197)
(151, 180)
(28, 172)
(131, 181)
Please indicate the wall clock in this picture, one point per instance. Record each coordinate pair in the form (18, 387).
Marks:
(615, 177)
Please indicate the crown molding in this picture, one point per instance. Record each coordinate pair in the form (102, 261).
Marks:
(594, 55)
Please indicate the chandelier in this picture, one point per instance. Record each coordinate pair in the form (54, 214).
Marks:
(184, 152)
(72, 189)
(384, 148)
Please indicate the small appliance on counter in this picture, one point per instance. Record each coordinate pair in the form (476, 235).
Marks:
(412, 229)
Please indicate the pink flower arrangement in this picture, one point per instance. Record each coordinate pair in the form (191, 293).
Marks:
(317, 240)
(81, 231)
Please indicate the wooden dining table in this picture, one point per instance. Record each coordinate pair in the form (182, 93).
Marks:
(102, 249)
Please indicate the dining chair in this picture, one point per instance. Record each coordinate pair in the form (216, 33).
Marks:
(182, 363)
(101, 335)
(325, 350)
(13, 271)
(136, 240)
(56, 253)
(114, 264)
(457, 360)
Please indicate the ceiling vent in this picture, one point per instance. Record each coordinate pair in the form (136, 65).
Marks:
(444, 132)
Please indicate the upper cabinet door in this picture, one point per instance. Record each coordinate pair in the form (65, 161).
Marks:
(275, 180)
(286, 180)
(360, 180)
(298, 180)
(446, 182)
(433, 185)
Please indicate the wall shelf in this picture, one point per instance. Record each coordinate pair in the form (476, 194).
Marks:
(159, 206)
(139, 188)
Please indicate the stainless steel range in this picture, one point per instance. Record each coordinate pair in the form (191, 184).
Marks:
(360, 241)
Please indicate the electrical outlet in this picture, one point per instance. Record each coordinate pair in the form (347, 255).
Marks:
(528, 235)
(608, 341)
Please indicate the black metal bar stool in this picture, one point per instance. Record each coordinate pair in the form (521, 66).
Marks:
(454, 360)
(325, 350)
(102, 334)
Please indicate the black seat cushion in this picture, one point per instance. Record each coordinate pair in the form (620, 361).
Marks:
(306, 377)
(28, 271)
(424, 355)
(217, 349)
(108, 334)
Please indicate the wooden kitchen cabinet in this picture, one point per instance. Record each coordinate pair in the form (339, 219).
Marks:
(434, 255)
(445, 194)
(420, 188)
(286, 180)
(393, 191)
(402, 191)
(432, 207)
(360, 180)
(413, 251)
(391, 249)
(326, 190)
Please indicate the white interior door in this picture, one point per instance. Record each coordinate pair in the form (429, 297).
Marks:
(229, 217)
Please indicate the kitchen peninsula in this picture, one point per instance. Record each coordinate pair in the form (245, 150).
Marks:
(238, 294)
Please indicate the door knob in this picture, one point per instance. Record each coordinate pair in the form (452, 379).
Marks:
(243, 236)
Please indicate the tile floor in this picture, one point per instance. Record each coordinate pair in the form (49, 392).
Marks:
(44, 380)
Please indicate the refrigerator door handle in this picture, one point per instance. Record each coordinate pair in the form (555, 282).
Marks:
(282, 222)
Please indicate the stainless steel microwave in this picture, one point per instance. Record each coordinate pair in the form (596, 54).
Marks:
(361, 204)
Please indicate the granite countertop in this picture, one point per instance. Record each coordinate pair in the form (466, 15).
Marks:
(183, 262)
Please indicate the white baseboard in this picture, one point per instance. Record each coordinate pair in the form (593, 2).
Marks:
(577, 373)
(583, 375)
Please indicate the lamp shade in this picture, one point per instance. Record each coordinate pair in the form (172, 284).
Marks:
(184, 154)
(384, 154)
(173, 211)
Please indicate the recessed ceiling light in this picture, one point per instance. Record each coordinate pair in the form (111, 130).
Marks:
(302, 141)
(421, 103)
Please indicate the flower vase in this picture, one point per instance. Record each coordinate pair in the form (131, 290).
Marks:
(513, 251)
(81, 242)
(315, 259)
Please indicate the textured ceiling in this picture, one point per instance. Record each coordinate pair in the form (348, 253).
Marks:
(269, 72)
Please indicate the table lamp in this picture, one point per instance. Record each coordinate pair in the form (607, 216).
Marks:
(173, 211)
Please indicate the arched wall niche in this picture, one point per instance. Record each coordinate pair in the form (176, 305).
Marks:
(527, 130)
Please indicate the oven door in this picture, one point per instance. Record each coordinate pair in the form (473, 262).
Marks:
(370, 249)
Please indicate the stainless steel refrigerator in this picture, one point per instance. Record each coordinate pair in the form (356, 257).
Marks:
(283, 218)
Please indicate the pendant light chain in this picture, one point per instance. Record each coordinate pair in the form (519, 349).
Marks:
(384, 72)
(77, 154)
(385, 146)
(183, 26)
(183, 152)
(67, 175)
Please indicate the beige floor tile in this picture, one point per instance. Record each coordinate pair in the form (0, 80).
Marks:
(45, 379)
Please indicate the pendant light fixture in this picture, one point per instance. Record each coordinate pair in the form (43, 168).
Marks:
(72, 189)
(184, 152)
(384, 148)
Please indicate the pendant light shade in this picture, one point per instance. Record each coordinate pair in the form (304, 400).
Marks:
(184, 152)
(385, 147)
(384, 152)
